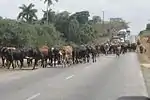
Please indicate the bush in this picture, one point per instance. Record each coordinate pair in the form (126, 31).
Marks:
(13, 33)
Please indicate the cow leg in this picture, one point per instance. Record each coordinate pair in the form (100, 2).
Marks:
(28, 62)
(95, 57)
(8, 64)
(35, 63)
(21, 62)
(55, 59)
(88, 58)
(51, 61)
(13, 65)
(3, 62)
(42, 62)
(11, 62)
(45, 63)
(16, 63)
(73, 60)
(76, 60)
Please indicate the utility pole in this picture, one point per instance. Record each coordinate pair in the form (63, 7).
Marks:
(47, 14)
(103, 22)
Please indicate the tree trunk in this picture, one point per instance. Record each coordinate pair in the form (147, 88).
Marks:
(47, 14)
(27, 18)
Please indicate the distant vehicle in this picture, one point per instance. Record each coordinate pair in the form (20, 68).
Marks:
(115, 39)
(132, 39)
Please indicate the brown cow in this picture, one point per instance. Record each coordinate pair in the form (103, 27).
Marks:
(66, 52)
(45, 55)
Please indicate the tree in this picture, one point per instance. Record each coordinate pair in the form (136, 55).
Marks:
(82, 17)
(50, 14)
(73, 28)
(27, 14)
(96, 19)
(62, 21)
(86, 33)
(49, 3)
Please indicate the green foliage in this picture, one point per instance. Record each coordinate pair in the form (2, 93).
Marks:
(51, 16)
(82, 17)
(62, 21)
(73, 27)
(49, 2)
(47, 14)
(145, 32)
(54, 28)
(96, 19)
(86, 33)
(19, 33)
(110, 27)
(28, 14)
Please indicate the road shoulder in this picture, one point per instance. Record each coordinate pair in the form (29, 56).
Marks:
(145, 67)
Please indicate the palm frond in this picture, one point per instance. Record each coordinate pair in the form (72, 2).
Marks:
(30, 6)
(20, 15)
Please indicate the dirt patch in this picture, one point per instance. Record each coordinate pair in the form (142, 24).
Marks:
(144, 58)
(145, 62)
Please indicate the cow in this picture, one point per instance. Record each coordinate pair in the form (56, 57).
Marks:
(142, 49)
(54, 56)
(66, 52)
(97, 47)
(37, 54)
(106, 48)
(12, 54)
(93, 52)
(118, 50)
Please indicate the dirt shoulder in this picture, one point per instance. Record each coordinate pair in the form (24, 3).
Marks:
(145, 63)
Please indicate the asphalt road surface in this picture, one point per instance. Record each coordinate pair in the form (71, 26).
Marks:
(107, 79)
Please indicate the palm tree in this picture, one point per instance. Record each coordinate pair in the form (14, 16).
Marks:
(49, 3)
(27, 14)
(50, 14)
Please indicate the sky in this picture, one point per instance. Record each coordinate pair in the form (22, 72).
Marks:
(134, 11)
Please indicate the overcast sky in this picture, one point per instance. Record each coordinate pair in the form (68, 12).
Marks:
(135, 11)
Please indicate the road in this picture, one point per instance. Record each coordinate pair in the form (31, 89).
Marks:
(107, 79)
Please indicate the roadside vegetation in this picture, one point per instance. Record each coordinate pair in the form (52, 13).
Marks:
(54, 28)
(145, 58)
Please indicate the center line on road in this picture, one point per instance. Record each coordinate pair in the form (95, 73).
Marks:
(33, 96)
(69, 77)
(86, 67)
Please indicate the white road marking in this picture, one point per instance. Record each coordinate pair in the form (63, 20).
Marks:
(33, 96)
(69, 77)
(86, 67)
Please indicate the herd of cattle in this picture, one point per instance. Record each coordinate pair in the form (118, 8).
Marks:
(64, 56)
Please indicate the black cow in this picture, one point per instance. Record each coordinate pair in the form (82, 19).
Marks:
(36, 54)
(93, 52)
(54, 56)
(13, 54)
